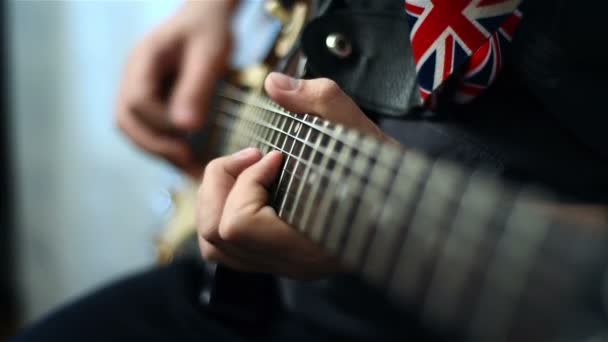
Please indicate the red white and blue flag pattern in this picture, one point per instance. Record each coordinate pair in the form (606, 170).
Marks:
(466, 38)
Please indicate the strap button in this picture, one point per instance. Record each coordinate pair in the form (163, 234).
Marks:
(338, 45)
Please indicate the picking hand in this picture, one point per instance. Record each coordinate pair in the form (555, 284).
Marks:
(169, 80)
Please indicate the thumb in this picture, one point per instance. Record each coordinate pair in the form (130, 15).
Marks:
(322, 97)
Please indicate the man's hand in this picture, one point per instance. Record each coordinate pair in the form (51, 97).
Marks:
(321, 97)
(235, 224)
(238, 228)
(170, 77)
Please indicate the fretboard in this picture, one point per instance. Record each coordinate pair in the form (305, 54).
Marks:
(461, 249)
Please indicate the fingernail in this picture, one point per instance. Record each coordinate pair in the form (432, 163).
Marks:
(245, 153)
(283, 81)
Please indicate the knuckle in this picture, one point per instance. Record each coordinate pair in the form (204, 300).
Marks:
(209, 252)
(327, 90)
(232, 229)
(208, 231)
(213, 167)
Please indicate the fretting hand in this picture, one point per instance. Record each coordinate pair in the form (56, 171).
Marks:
(236, 225)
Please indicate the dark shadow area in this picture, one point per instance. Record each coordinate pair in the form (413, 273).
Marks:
(7, 289)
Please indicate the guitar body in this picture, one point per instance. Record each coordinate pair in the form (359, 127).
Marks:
(443, 236)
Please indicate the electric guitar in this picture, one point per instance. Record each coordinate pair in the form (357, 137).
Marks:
(457, 247)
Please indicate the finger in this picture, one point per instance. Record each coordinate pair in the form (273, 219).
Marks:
(321, 96)
(170, 148)
(248, 199)
(213, 253)
(250, 191)
(218, 179)
(142, 91)
(202, 66)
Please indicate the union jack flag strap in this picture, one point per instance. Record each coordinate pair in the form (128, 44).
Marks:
(468, 36)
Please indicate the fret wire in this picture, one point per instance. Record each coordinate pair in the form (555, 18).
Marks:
(317, 169)
(527, 231)
(315, 189)
(409, 180)
(244, 140)
(268, 116)
(414, 254)
(281, 176)
(325, 202)
(282, 206)
(321, 150)
(307, 168)
(320, 171)
(343, 215)
(258, 130)
(373, 231)
(448, 286)
(304, 154)
(251, 127)
(466, 240)
(355, 244)
(240, 139)
(471, 211)
(295, 129)
(325, 129)
(472, 268)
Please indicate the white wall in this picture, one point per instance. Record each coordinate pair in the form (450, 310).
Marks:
(89, 204)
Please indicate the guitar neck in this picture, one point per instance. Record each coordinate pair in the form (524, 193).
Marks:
(457, 246)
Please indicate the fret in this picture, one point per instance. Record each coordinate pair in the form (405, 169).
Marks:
(507, 274)
(237, 139)
(262, 130)
(269, 118)
(291, 165)
(286, 146)
(274, 127)
(303, 133)
(313, 178)
(328, 165)
(281, 136)
(239, 134)
(350, 188)
(254, 116)
(369, 206)
(274, 123)
(309, 155)
(396, 213)
(462, 262)
(252, 128)
(426, 230)
(246, 136)
(457, 263)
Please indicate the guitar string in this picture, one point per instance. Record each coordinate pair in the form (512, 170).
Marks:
(238, 96)
(323, 151)
(490, 234)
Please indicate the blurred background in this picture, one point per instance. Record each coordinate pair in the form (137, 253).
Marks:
(81, 207)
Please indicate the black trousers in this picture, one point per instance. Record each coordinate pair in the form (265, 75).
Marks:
(163, 304)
